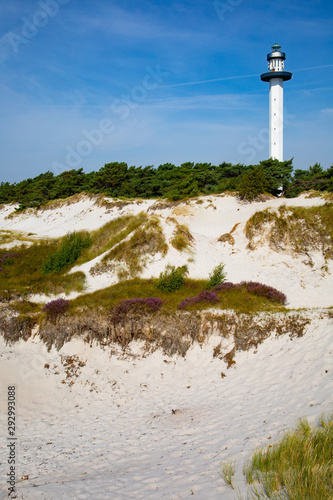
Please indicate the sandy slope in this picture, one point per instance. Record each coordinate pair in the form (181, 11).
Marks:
(113, 434)
(304, 286)
(132, 427)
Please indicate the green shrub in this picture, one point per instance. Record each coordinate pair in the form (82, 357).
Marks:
(217, 276)
(69, 251)
(252, 184)
(56, 308)
(172, 278)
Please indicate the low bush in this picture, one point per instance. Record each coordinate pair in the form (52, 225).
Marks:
(258, 289)
(120, 310)
(56, 308)
(226, 287)
(70, 250)
(206, 296)
(172, 278)
(266, 291)
(217, 276)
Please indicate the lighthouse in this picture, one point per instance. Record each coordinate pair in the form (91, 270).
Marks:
(276, 76)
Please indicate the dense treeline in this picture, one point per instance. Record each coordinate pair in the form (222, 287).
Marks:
(170, 181)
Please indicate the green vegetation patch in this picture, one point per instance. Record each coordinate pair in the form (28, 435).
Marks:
(174, 182)
(299, 229)
(106, 299)
(23, 272)
(238, 299)
(41, 267)
(25, 307)
(69, 251)
(172, 278)
(298, 467)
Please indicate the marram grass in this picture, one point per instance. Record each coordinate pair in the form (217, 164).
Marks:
(227, 473)
(295, 229)
(299, 467)
(182, 238)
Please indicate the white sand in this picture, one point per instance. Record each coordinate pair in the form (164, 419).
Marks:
(112, 433)
(305, 286)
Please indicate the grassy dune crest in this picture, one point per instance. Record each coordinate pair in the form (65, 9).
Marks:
(295, 229)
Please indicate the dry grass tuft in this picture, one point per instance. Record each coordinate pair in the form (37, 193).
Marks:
(227, 238)
(163, 205)
(65, 202)
(8, 237)
(184, 210)
(13, 327)
(313, 194)
(229, 357)
(111, 234)
(298, 230)
(101, 201)
(249, 330)
(130, 255)
(182, 238)
(328, 196)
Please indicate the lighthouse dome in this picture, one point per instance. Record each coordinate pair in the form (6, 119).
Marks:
(276, 53)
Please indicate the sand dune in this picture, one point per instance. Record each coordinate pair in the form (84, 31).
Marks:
(98, 422)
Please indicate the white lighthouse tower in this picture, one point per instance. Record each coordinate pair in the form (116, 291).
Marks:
(276, 76)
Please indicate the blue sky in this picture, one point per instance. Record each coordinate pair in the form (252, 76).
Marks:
(84, 83)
